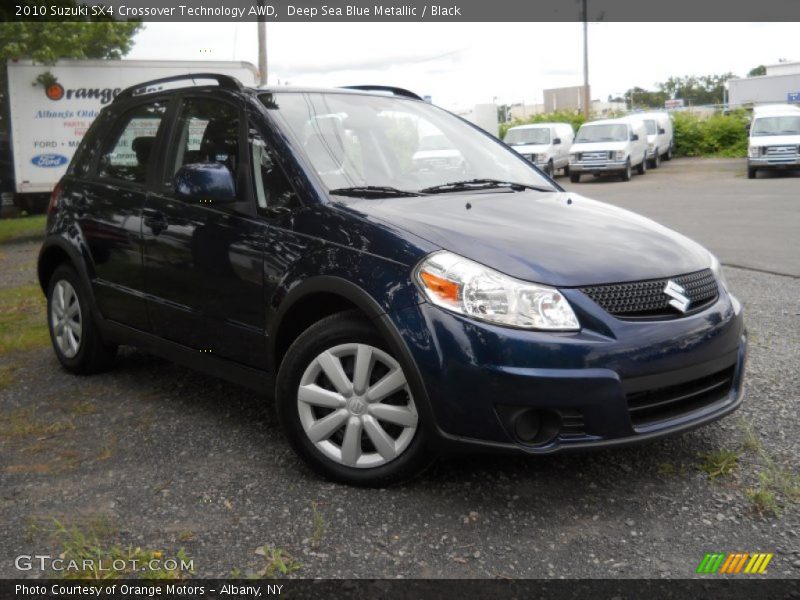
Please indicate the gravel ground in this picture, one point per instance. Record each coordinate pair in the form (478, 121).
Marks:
(166, 458)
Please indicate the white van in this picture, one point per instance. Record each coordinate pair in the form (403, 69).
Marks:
(659, 137)
(547, 145)
(609, 146)
(774, 139)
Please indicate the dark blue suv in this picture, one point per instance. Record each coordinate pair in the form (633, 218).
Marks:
(401, 282)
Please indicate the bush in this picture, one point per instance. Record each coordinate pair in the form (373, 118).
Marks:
(718, 135)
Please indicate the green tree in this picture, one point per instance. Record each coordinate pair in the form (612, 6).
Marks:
(705, 89)
(46, 42)
(757, 71)
(638, 97)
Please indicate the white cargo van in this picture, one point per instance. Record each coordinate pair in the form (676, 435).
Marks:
(609, 146)
(547, 145)
(659, 137)
(774, 139)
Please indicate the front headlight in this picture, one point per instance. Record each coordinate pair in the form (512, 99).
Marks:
(619, 155)
(651, 147)
(716, 268)
(573, 157)
(469, 288)
(754, 151)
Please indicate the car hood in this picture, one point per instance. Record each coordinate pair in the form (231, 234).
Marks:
(775, 140)
(531, 148)
(560, 239)
(599, 146)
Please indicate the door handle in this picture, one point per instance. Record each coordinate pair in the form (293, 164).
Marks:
(156, 221)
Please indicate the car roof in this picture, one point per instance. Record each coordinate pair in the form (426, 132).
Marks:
(536, 125)
(776, 110)
(620, 121)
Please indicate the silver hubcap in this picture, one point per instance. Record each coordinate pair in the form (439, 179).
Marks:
(355, 406)
(66, 319)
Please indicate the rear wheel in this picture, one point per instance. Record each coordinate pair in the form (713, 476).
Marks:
(76, 340)
(627, 174)
(574, 177)
(346, 405)
(656, 162)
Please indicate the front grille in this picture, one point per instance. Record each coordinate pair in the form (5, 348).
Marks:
(651, 406)
(779, 154)
(647, 300)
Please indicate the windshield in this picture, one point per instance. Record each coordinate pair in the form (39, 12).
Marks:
(652, 128)
(776, 126)
(522, 137)
(602, 133)
(358, 141)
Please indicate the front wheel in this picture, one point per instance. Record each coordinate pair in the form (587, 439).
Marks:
(641, 168)
(627, 174)
(346, 405)
(575, 177)
(656, 162)
(668, 155)
(751, 173)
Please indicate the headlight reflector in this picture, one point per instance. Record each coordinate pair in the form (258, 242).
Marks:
(754, 151)
(469, 288)
(619, 155)
(716, 268)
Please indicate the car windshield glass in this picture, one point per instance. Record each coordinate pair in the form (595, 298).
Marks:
(776, 126)
(652, 128)
(361, 140)
(602, 133)
(521, 137)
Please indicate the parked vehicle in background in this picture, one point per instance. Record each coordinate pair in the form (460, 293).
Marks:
(659, 137)
(437, 153)
(547, 145)
(774, 139)
(609, 146)
(49, 121)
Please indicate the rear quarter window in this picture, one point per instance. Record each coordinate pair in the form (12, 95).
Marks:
(89, 147)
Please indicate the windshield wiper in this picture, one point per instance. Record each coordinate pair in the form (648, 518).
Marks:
(477, 184)
(372, 191)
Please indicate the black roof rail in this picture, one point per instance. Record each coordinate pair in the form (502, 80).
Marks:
(397, 91)
(223, 81)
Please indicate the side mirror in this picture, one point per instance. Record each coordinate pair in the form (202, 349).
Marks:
(557, 141)
(634, 137)
(661, 131)
(205, 183)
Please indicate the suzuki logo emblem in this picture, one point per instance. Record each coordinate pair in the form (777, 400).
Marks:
(678, 295)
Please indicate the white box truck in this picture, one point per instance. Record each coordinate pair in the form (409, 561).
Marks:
(48, 122)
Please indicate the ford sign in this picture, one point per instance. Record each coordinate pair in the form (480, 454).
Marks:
(49, 160)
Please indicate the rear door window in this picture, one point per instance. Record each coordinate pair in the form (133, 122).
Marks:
(128, 152)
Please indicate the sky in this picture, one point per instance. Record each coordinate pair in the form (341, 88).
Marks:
(463, 64)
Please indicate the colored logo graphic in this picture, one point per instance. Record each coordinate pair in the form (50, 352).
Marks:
(54, 91)
(734, 563)
(49, 160)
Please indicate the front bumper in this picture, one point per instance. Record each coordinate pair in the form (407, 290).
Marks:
(598, 167)
(792, 162)
(475, 374)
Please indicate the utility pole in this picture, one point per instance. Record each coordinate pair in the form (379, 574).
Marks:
(262, 47)
(586, 96)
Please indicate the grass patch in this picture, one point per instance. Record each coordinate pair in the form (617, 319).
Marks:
(23, 320)
(5, 377)
(23, 423)
(777, 487)
(319, 525)
(90, 553)
(721, 463)
(278, 562)
(22, 228)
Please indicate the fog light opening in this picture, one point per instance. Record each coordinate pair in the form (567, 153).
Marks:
(536, 426)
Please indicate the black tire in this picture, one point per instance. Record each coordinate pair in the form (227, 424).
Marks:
(751, 172)
(575, 177)
(641, 168)
(93, 355)
(627, 174)
(342, 328)
(656, 162)
(551, 172)
(668, 155)
(566, 171)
